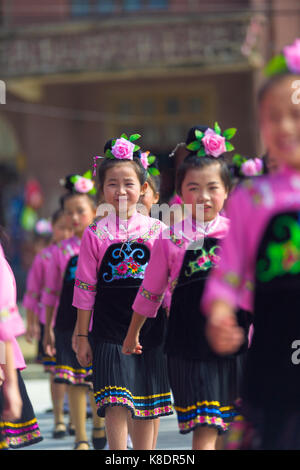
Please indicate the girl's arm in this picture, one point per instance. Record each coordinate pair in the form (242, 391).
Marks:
(85, 292)
(12, 399)
(150, 295)
(225, 285)
(84, 351)
(49, 299)
(131, 343)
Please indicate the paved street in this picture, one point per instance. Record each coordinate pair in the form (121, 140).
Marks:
(38, 391)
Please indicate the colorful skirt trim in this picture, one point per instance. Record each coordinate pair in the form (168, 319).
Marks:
(21, 434)
(71, 376)
(205, 392)
(138, 382)
(67, 368)
(49, 364)
(152, 406)
(25, 431)
(205, 413)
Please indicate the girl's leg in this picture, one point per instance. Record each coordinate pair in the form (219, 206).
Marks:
(143, 434)
(204, 438)
(220, 443)
(116, 427)
(77, 403)
(155, 434)
(98, 423)
(57, 395)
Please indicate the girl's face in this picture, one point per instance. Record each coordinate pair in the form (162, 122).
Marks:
(204, 186)
(280, 123)
(79, 213)
(149, 198)
(122, 189)
(61, 230)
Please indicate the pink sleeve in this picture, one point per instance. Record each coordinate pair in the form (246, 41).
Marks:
(155, 283)
(34, 285)
(87, 271)
(227, 280)
(11, 323)
(53, 281)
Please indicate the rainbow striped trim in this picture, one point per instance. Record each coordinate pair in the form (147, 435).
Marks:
(72, 376)
(85, 285)
(21, 434)
(141, 407)
(150, 296)
(209, 413)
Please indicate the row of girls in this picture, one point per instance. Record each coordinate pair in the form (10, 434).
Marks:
(136, 310)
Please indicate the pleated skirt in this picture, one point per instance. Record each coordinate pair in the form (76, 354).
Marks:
(137, 382)
(23, 432)
(205, 392)
(67, 368)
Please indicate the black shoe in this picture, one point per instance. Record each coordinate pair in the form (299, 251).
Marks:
(99, 442)
(71, 430)
(59, 433)
(77, 444)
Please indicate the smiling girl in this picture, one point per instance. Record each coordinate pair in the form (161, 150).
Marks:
(263, 245)
(114, 254)
(204, 386)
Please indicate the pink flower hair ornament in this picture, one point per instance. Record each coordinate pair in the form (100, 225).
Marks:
(124, 148)
(212, 142)
(43, 227)
(248, 166)
(82, 184)
(287, 61)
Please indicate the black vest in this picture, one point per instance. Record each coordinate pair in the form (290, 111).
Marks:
(271, 375)
(66, 313)
(186, 327)
(120, 276)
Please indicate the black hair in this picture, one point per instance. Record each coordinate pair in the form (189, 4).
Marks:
(193, 161)
(108, 163)
(270, 82)
(154, 183)
(57, 215)
(69, 186)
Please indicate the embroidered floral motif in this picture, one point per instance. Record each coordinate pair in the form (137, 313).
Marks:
(6, 313)
(51, 291)
(150, 296)
(232, 278)
(129, 261)
(141, 406)
(177, 241)
(84, 286)
(206, 260)
(282, 253)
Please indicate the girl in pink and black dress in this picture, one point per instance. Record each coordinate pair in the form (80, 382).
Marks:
(25, 430)
(114, 255)
(36, 315)
(204, 386)
(79, 210)
(263, 246)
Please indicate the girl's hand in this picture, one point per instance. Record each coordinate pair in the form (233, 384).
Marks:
(131, 346)
(84, 352)
(49, 341)
(12, 401)
(222, 331)
(30, 334)
(74, 341)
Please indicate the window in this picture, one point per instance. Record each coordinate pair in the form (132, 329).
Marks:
(161, 117)
(132, 5)
(105, 6)
(80, 8)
